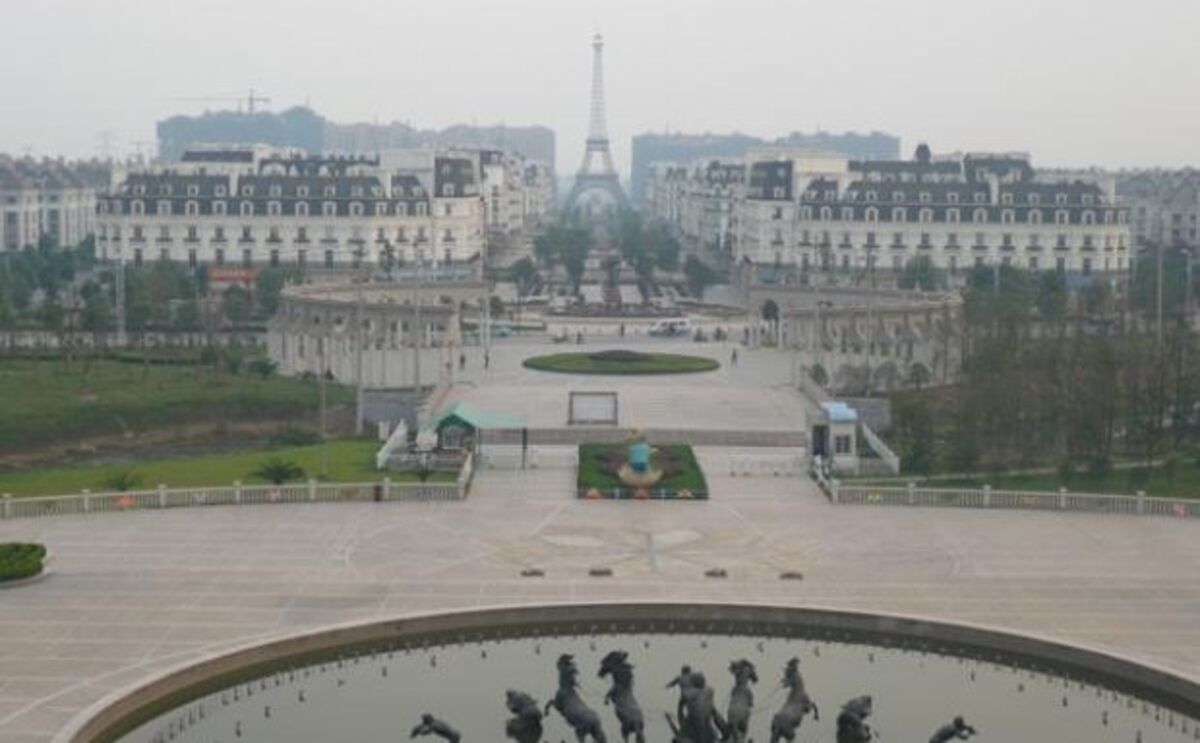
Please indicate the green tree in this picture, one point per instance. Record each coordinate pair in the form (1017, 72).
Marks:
(235, 305)
(698, 276)
(525, 274)
(921, 273)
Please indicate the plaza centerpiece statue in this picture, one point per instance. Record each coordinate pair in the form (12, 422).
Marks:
(795, 707)
(638, 472)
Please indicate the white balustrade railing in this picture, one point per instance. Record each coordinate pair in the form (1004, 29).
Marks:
(239, 494)
(986, 497)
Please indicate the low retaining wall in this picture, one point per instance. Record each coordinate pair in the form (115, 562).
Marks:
(985, 497)
(617, 434)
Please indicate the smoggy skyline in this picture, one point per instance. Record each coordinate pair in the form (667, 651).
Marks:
(1073, 83)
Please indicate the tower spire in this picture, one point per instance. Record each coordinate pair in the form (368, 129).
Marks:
(597, 140)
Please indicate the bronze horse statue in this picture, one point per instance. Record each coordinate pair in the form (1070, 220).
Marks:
(629, 713)
(582, 718)
(795, 707)
(741, 701)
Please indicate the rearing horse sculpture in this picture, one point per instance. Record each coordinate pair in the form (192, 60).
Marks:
(582, 718)
(795, 707)
(629, 713)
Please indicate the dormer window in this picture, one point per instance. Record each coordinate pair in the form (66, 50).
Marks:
(870, 195)
(274, 208)
(276, 191)
(219, 208)
(356, 209)
(330, 192)
(924, 197)
(980, 215)
(219, 191)
(328, 209)
(897, 196)
(193, 190)
(301, 209)
(1060, 198)
(140, 190)
(302, 192)
(247, 209)
(1087, 199)
(164, 190)
(1005, 198)
(1034, 198)
(247, 190)
(448, 189)
(979, 198)
(952, 198)
(164, 207)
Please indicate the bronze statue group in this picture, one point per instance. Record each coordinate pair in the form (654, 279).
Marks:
(696, 718)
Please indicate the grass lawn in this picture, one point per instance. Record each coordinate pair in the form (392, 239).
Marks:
(42, 403)
(350, 460)
(689, 476)
(621, 363)
(1119, 481)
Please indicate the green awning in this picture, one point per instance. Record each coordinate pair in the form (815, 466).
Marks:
(476, 418)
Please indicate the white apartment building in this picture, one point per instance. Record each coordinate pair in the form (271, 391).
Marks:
(814, 211)
(48, 200)
(253, 206)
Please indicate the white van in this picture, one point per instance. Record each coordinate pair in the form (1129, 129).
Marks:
(670, 327)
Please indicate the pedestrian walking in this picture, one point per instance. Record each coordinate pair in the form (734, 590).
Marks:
(487, 359)
(733, 358)
(462, 361)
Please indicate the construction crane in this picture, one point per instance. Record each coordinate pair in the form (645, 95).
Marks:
(251, 99)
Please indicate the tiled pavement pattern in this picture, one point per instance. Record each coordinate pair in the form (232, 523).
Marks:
(134, 593)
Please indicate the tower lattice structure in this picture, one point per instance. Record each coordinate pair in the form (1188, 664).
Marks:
(597, 182)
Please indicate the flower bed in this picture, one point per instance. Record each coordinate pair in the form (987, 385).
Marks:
(599, 464)
(621, 362)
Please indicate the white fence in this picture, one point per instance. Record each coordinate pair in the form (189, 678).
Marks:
(503, 457)
(1062, 500)
(767, 465)
(238, 495)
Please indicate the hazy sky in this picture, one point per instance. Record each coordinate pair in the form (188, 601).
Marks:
(1074, 82)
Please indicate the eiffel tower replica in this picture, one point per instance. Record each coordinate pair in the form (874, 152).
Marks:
(597, 192)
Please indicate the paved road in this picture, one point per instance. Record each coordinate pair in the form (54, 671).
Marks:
(135, 593)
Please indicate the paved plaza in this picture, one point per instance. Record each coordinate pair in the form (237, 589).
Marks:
(755, 394)
(132, 594)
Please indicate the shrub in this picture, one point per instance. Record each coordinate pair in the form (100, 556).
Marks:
(20, 560)
(122, 481)
(295, 437)
(264, 368)
(278, 471)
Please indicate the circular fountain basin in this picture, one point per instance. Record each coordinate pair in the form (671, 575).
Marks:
(373, 682)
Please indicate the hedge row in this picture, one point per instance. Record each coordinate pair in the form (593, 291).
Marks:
(18, 560)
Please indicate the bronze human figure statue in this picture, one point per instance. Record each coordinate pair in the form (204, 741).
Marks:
(699, 720)
(741, 700)
(582, 718)
(958, 729)
(629, 713)
(683, 681)
(431, 725)
(525, 726)
(795, 707)
(852, 724)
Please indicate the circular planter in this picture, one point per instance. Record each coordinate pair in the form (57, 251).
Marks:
(621, 363)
